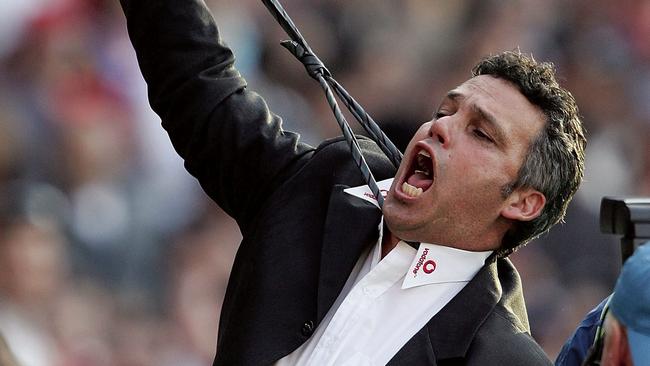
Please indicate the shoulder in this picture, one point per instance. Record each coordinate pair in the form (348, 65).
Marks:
(503, 341)
(335, 155)
(504, 337)
(338, 145)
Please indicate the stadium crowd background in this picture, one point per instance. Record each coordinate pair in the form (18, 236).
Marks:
(110, 254)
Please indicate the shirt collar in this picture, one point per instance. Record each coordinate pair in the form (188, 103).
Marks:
(366, 194)
(441, 264)
(432, 264)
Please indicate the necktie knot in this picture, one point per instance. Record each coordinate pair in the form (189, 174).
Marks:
(313, 64)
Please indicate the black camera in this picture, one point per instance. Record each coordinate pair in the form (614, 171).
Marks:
(626, 216)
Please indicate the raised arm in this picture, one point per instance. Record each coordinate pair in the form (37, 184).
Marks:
(228, 138)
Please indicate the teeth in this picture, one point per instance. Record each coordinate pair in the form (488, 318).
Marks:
(424, 153)
(410, 190)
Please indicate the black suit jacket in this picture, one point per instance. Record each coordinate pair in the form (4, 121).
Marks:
(301, 233)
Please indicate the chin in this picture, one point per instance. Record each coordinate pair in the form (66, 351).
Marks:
(401, 226)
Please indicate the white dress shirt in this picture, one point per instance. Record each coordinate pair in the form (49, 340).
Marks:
(385, 302)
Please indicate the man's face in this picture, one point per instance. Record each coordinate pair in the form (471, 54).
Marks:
(460, 161)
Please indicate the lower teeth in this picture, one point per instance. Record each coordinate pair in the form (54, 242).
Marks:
(410, 190)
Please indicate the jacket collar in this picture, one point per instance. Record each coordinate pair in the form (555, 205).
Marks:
(454, 328)
(449, 334)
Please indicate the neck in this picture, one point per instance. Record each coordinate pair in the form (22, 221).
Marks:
(388, 242)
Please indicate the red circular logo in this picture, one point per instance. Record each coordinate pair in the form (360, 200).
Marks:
(429, 266)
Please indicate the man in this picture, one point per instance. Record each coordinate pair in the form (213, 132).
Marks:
(318, 278)
(627, 324)
(581, 343)
(623, 335)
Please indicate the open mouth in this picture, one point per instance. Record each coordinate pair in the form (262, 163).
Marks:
(420, 176)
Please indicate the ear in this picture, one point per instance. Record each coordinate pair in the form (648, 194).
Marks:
(524, 204)
(616, 351)
(626, 353)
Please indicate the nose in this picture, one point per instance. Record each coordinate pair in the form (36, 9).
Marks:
(439, 130)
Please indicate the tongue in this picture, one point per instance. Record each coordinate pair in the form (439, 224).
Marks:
(420, 180)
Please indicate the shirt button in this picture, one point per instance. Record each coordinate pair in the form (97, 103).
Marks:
(307, 328)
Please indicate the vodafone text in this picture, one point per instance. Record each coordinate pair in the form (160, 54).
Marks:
(420, 261)
(427, 266)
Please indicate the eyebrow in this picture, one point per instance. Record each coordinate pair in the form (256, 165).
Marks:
(490, 119)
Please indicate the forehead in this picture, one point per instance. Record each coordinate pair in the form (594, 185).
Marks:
(500, 98)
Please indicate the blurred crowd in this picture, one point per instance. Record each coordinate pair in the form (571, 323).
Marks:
(110, 254)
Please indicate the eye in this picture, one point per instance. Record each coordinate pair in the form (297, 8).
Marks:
(482, 135)
(440, 114)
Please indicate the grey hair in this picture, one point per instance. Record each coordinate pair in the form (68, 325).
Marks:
(554, 164)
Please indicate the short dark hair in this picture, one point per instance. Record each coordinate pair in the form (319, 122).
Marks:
(554, 164)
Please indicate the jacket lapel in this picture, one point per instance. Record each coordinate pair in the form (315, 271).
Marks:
(452, 330)
(351, 224)
(417, 351)
(449, 334)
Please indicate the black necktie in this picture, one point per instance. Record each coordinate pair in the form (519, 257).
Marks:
(317, 70)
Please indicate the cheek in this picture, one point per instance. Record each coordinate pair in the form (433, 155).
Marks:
(484, 166)
(477, 176)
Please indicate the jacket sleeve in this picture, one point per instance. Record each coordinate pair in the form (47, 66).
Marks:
(227, 136)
